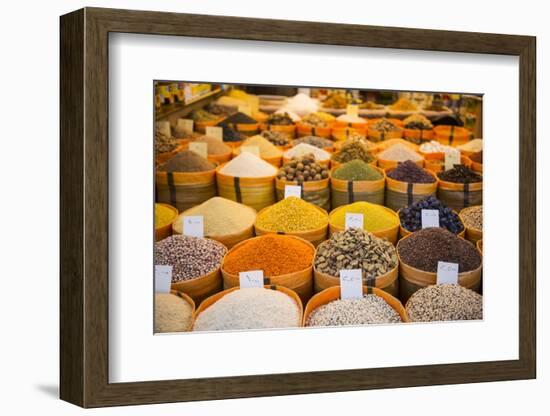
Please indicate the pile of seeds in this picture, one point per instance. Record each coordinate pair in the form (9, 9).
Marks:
(399, 153)
(425, 248)
(203, 115)
(265, 147)
(473, 217)
(316, 141)
(291, 215)
(164, 143)
(375, 217)
(410, 172)
(283, 119)
(190, 257)
(370, 309)
(275, 254)
(163, 215)
(304, 149)
(220, 217)
(172, 313)
(353, 150)
(303, 169)
(356, 249)
(220, 110)
(249, 166)
(459, 174)
(315, 120)
(232, 135)
(475, 145)
(237, 118)
(251, 308)
(417, 122)
(357, 170)
(214, 146)
(187, 161)
(477, 157)
(383, 126)
(275, 137)
(411, 216)
(444, 303)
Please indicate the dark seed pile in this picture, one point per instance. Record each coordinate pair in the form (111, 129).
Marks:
(411, 216)
(303, 169)
(237, 118)
(459, 174)
(187, 161)
(232, 135)
(280, 119)
(276, 137)
(220, 110)
(426, 247)
(409, 171)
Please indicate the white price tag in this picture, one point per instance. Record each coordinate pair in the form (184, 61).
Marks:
(199, 148)
(430, 218)
(452, 158)
(255, 150)
(252, 278)
(447, 273)
(214, 131)
(185, 124)
(245, 109)
(164, 128)
(354, 220)
(351, 284)
(352, 110)
(163, 278)
(193, 226)
(293, 190)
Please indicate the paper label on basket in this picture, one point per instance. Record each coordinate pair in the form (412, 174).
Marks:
(185, 124)
(430, 218)
(452, 158)
(193, 226)
(351, 284)
(245, 109)
(447, 273)
(199, 148)
(163, 278)
(293, 190)
(352, 110)
(252, 278)
(354, 220)
(255, 150)
(215, 132)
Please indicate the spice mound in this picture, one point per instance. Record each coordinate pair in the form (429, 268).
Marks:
(283, 119)
(187, 161)
(383, 126)
(353, 150)
(473, 217)
(375, 217)
(399, 153)
(319, 119)
(370, 309)
(251, 308)
(275, 254)
(444, 303)
(425, 248)
(247, 165)
(345, 118)
(275, 137)
(266, 148)
(214, 146)
(172, 313)
(316, 141)
(190, 257)
(459, 174)
(305, 149)
(164, 144)
(411, 216)
(435, 147)
(237, 118)
(475, 145)
(409, 171)
(163, 215)
(356, 249)
(403, 104)
(291, 215)
(417, 122)
(356, 170)
(303, 169)
(231, 135)
(221, 217)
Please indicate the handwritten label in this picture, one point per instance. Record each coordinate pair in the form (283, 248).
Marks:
(193, 226)
(163, 278)
(245, 109)
(199, 148)
(351, 284)
(255, 150)
(214, 131)
(185, 124)
(252, 278)
(352, 110)
(452, 158)
(447, 273)
(354, 220)
(430, 218)
(293, 190)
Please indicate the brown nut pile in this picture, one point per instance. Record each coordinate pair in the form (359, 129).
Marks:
(303, 169)
(356, 249)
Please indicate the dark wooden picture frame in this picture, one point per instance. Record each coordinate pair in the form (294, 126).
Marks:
(84, 207)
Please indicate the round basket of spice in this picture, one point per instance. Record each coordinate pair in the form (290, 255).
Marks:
(217, 151)
(354, 149)
(420, 252)
(293, 216)
(242, 123)
(315, 124)
(383, 222)
(417, 129)
(356, 249)
(321, 156)
(460, 187)
(345, 133)
(346, 120)
(384, 129)
(472, 217)
(377, 306)
(267, 150)
(310, 176)
(166, 146)
(286, 261)
(392, 156)
(173, 312)
(322, 143)
(281, 141)
(165, 215)
(452, 135)
(408, 183)
(355, 181)
(477, 161)
(281, 123)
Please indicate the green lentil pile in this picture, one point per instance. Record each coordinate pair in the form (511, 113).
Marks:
(356, 170)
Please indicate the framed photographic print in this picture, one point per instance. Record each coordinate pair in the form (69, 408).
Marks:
(257, 207)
